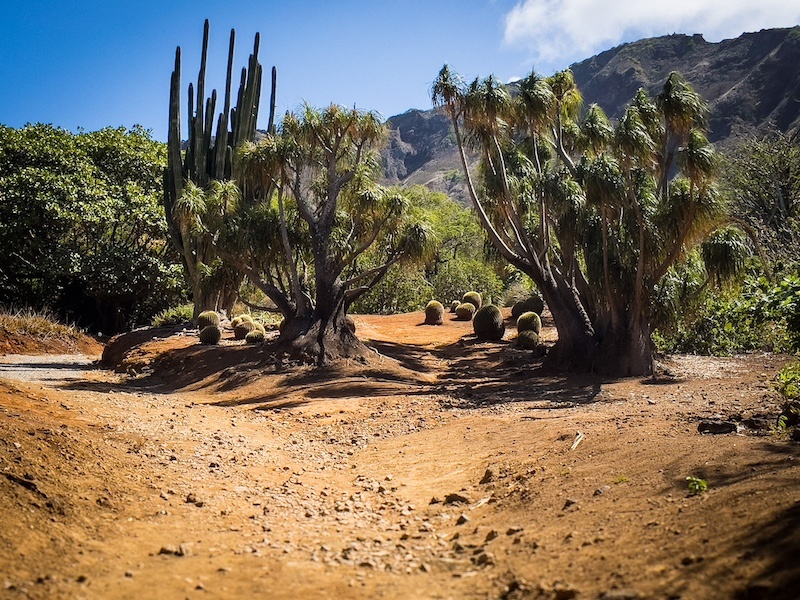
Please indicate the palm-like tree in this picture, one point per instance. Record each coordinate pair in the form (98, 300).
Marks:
(588, 210)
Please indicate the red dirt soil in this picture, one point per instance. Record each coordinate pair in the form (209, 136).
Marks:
(443, 468)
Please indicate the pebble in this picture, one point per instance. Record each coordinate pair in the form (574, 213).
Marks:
(716, 426)
(488, 477)
(456, 499)
(462, 519)
(622, 594)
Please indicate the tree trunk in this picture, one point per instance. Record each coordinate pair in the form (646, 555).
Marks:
(322, 335)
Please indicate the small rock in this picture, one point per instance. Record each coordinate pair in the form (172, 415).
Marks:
(570, 504)
(620, 595)
(191, 498)
(602, 490)
(172, 550)
(484, 559)
(488, 477)
(128, 573)
(82, 579)
(462, 519)
(565, 592)
(491, 535)
(514, 530)
(756, 423)
(435, 500)
(716, 426)
(456, 499)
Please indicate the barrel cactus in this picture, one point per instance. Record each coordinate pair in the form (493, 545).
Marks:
(206, 318)
(517, 309)
(529, 321)
(454, 305)
(534, 304)
(254, 337)
(210, 334)
(465, 311)
(527, 339)
(434, 313)
(488, 323)
(473, 298)
(242, 329)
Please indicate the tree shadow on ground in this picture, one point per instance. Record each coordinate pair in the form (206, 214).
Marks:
(487, 373)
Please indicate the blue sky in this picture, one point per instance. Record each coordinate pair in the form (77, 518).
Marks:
(92, 64)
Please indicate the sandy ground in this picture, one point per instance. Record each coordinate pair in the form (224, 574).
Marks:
(446, 468)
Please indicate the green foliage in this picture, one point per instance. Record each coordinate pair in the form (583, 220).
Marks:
(174, 316)
(434, 313)
(527, 339)
(488, 323)
(256, 336)
(210, 335)
(761, 179)
(207, 318)
(696, 485)
(465, 311)
(473, 298)
(757, 315)
(82, 225)
(529, 321)
(788, 381)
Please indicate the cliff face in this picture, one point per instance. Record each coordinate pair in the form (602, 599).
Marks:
(751, 83)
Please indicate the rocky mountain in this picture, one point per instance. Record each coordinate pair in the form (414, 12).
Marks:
(752, 83)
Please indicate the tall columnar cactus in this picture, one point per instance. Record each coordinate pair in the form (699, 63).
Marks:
(208, 157)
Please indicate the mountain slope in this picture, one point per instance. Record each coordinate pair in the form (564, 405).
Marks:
(751, 83)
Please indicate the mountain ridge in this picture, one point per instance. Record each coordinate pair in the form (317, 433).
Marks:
(751, 83)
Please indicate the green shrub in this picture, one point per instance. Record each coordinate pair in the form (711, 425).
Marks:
(174, 316)
(529, 321)
(488, 323)
(465, 311)
(242, 329)
(528, 339)
(255, 337)
(206, 318)
(434, 313)
(473, 298)
(210, 334)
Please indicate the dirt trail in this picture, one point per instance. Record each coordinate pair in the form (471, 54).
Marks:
(451, 470)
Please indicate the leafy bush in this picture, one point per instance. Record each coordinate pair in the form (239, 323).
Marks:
(788, 381)
(696, 485)
(174, 316)
(465, 311)
(210, 334)
(473, 298)
(488, 323)
(434, 313)
(529, 321)
(758, 315)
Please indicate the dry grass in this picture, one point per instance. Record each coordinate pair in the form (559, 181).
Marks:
(41, 327)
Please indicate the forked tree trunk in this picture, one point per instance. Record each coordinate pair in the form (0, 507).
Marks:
(322, 336)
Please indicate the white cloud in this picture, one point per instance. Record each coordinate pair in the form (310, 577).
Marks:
(562, 31)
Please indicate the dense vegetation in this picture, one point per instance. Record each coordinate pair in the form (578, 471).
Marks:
(637, 234)
(82, 227)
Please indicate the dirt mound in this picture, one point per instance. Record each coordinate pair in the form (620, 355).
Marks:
(448, 468)
(16, 343)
